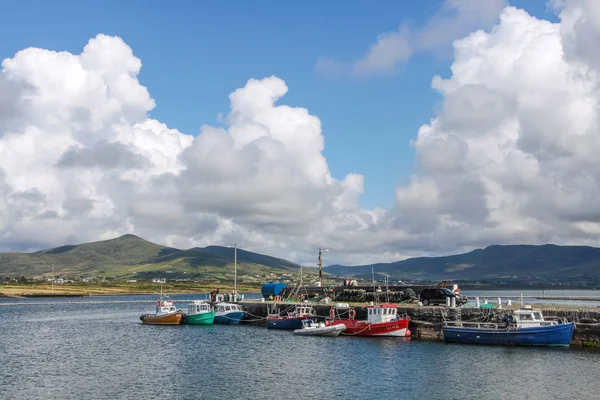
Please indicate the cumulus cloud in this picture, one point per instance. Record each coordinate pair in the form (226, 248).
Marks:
(453, 20)
(86, 162)
(510, 157)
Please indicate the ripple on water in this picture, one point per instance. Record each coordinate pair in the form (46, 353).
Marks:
(100, 351)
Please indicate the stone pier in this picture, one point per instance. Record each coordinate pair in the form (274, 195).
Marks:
(426, 322)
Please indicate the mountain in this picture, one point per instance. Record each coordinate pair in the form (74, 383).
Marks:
(493, 262)
(130, 255)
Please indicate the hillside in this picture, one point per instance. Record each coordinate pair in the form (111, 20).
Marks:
(132, 256)
(493, 262)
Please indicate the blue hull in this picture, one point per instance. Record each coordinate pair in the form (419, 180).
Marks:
(230, 318)
(287, 323)
(551, 335)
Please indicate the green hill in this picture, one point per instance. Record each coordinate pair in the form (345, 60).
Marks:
(132, 256)
(519, 262)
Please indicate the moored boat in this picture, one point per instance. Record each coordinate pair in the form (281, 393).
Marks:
(525, 327)
(382, 320)
(228, 313)
(312, 328)
(292, 320)
(165, 313)
(199, 313)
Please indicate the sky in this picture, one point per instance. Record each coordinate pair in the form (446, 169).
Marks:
(381, 131)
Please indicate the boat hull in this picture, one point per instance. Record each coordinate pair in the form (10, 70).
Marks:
(287, 323)
(199, 319)
(328, 331)
(173, 318)
(397, 328)
(550, 335)
(233, 317)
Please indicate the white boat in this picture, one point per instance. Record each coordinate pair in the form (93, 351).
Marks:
(312, 328)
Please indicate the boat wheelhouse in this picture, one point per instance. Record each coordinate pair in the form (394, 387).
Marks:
(292, 320)
(524, 327)
(228, 313)
(199, 312)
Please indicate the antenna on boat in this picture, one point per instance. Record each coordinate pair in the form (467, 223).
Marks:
(387, 289)
(52, 278)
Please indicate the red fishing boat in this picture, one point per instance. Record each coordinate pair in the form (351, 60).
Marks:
(382, 320)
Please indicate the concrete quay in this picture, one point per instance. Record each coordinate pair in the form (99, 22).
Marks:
(426, 322)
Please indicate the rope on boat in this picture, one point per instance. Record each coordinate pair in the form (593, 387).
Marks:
(357, 333)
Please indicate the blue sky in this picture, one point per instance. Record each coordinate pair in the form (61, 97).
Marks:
(195, 53)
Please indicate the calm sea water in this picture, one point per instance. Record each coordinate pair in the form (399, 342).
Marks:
(102, 351)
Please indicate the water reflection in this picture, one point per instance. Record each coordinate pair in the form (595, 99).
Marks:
(99, 351)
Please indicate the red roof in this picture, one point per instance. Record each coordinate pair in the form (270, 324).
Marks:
(383, 306)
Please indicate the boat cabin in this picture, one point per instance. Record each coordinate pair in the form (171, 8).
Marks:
(228, 307)
(199, 307)
(526, 317)
(382, 313)
(300, 311)
(165, 306)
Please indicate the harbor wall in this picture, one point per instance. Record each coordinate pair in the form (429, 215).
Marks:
(426, 322)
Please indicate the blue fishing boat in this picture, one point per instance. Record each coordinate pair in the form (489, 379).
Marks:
(228, 313)
(292, 320)
(525, 327)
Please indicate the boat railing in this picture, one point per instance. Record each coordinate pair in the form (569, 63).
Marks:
(490, 325)
(475, 325)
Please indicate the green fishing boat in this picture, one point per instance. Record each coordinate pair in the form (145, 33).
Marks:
(199, 313)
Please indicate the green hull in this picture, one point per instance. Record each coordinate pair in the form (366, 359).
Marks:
(199, 319)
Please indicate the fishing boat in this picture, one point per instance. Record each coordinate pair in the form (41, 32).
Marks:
(312, 328)
(199, 313)
(165, 313)
(292, 320)
(228, 313)
(382, 320)
(525, 327)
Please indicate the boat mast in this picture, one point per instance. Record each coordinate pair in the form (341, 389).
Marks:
(373, 278)
(52, 278)
(234, 270)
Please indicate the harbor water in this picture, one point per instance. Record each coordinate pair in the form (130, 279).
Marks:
(55, 349)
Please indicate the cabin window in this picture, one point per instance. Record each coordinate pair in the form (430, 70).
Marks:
(384, 311)
(393, 312)
(370, 311)
(537, 315)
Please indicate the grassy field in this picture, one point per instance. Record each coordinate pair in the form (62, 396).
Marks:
(109, 288)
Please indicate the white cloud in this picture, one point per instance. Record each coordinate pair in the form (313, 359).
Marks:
(83, 161)
(511, 157)
(455, 19)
